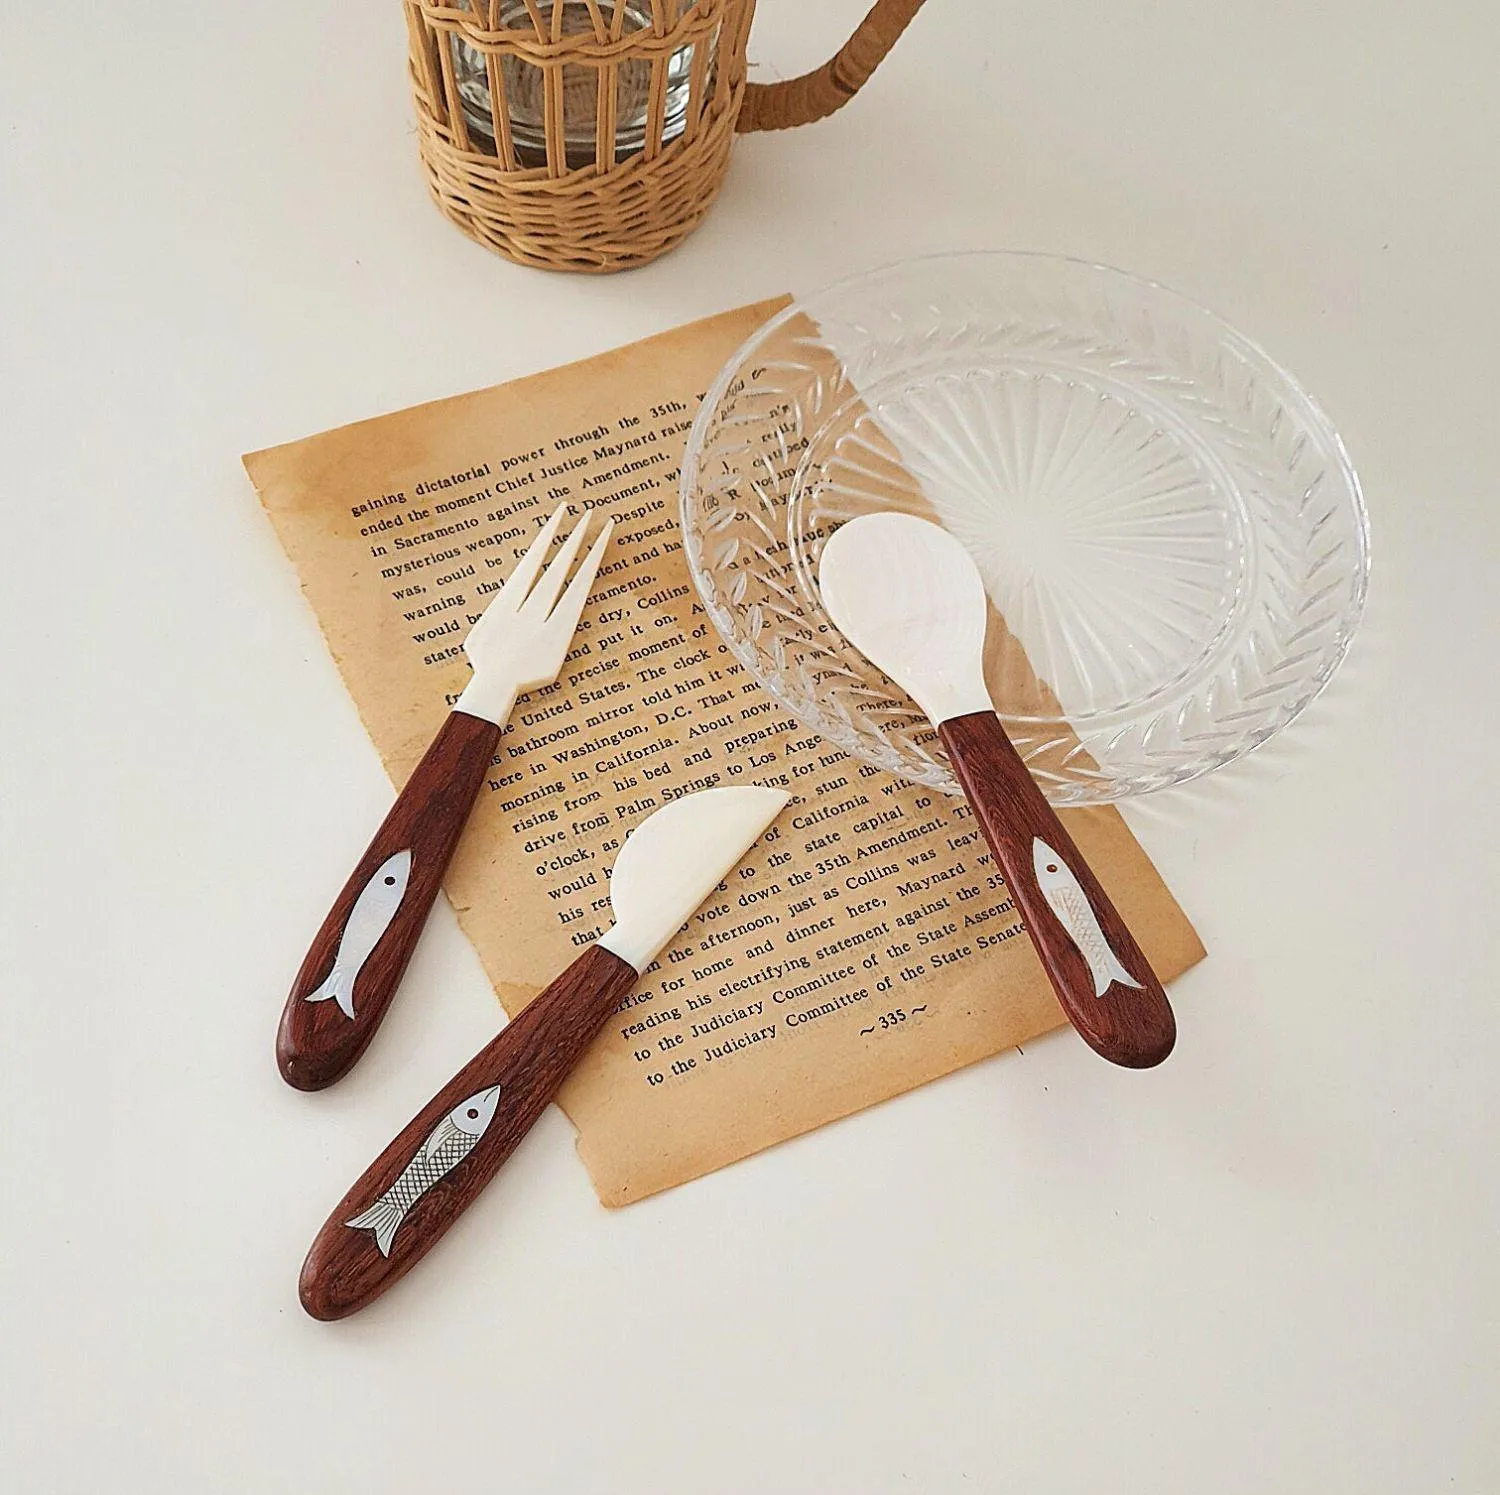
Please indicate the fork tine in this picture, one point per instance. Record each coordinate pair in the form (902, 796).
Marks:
(550, 583)
(518, 583)
(567, 612)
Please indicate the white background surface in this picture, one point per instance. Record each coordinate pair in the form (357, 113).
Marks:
(1269, 1266)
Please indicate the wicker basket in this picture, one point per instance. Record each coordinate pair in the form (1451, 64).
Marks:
(592, 135)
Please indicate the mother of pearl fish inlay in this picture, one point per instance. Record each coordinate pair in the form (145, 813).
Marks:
(446, 1146)
(1066, 898)
(368, 921)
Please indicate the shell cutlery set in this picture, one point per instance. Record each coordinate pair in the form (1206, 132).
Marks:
(904, 592)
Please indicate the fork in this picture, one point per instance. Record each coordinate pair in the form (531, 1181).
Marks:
(356, 961)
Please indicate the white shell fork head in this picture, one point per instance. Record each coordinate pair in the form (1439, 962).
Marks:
(562, 622)
(521, 639)
(517, 587)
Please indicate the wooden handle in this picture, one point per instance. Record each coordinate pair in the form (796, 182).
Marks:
(454, 1146)
(356, 962)
(1105, 985)
(813, 96)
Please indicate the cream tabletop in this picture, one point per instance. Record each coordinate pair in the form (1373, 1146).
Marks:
(1269, 1266)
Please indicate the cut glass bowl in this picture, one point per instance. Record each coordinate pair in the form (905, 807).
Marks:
(1170, 532)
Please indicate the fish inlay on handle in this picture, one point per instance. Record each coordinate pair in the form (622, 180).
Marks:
(358, 957)
(346, 983)
(1066, 898)
(446, 1146)
(906, 593)
(368, 921)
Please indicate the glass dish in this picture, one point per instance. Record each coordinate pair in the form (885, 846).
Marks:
(1170, 532)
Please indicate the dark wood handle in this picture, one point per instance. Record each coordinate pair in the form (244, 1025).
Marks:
(1105, 985)
(455, 1145)
(357, 959)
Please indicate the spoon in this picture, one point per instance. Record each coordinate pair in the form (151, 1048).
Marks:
(908, 595)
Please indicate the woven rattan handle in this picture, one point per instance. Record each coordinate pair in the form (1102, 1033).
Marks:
(799, 101)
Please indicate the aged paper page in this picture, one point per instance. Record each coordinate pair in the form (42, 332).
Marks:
(865, 946)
